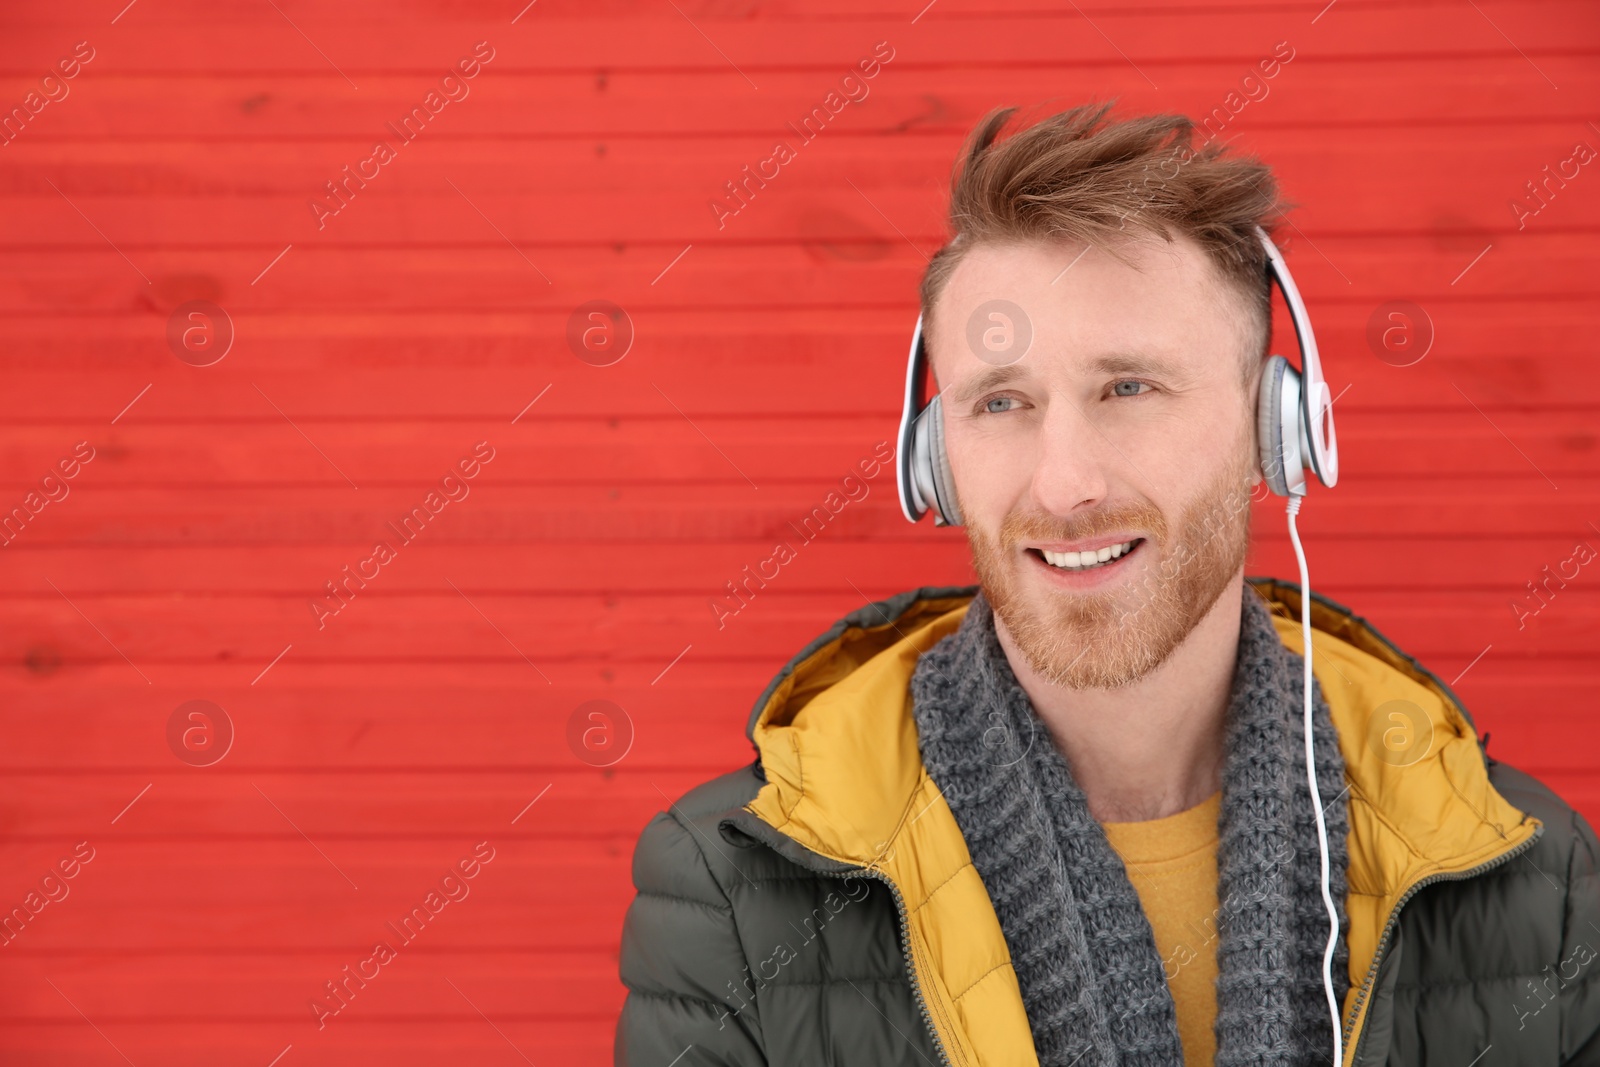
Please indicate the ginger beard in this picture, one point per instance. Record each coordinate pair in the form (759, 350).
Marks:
(1109, 638)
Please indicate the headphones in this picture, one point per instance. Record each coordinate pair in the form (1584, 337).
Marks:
(1289, 398)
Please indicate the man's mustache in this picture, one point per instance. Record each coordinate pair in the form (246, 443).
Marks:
(1018, 528)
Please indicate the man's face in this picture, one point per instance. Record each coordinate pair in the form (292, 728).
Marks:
(1124, 421)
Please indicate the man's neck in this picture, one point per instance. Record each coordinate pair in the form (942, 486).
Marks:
(1155, 747)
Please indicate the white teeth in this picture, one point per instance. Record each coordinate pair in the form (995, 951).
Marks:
(1085, 560)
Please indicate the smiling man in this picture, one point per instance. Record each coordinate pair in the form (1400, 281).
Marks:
(1062, 817)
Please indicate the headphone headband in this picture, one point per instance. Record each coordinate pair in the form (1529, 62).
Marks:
(912, 502)
(1316, 403)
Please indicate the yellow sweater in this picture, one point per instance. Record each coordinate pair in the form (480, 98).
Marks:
(1172, 863)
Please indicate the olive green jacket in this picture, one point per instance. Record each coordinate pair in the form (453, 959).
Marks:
(819, 906)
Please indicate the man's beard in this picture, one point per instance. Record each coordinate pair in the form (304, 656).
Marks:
(1112, 638)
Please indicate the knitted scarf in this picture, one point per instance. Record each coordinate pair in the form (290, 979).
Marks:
(1092, 981)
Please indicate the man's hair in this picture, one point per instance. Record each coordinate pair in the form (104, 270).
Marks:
(1069, 177)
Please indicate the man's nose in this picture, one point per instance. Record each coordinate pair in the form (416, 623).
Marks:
(1072, 456)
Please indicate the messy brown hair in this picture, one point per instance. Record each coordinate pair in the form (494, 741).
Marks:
(1070, 177)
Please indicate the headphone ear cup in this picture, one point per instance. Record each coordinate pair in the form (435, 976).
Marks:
(946, 510)
(1269, 424)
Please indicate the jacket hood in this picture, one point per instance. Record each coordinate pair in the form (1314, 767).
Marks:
(844, 779)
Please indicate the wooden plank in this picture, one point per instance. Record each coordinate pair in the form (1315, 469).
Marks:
(492, 379)
(443, 626)
(261, 988)
(474, 12)
(570, 1041)
(256, 193)
(39, 284)
(622, 104)
(394, 465)
(228, 511)
(261, 40)
(366, 796)
(287, 892)
(291, 570)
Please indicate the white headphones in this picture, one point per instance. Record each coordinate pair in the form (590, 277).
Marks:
(1289, 397)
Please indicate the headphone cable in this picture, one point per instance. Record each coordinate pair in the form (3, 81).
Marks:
(1293, 509)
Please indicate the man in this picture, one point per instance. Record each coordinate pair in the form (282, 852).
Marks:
(1062, 818)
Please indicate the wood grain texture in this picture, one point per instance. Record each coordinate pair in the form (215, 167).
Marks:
(374, 747)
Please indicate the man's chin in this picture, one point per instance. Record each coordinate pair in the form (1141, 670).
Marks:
(1078, 638)
(1102, 637)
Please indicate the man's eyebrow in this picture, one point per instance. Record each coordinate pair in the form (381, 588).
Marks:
(979, 384)
(1111, 363)
(1137, 363)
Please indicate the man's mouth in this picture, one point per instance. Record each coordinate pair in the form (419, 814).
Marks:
(1079, 562)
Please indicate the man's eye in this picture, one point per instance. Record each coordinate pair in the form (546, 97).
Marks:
(989, 405)
(1129, 387)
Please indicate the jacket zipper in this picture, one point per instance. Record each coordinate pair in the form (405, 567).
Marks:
(1394, 920)
(905, 949)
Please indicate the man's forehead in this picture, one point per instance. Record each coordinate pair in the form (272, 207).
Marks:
(1048, 264)
(1142, 313)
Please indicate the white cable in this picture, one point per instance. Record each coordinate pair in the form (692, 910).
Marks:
(1293, 509)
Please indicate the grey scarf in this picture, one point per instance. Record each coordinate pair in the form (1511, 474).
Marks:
(1092, 980)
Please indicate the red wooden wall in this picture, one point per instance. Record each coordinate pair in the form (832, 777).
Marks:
(374, 347)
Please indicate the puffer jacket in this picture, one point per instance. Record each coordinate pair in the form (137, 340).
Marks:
(819, 906)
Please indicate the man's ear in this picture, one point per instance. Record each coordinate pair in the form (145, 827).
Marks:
(1252, 407)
